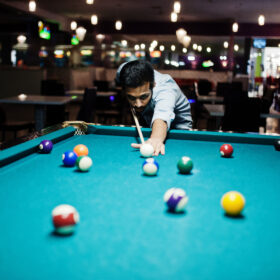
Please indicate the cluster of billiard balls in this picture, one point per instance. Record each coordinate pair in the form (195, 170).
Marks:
(79, 157)
(150, 166)
(175, 198)
(65, 217)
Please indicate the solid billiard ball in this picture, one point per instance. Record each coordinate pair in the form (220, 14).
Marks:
(185, 165)
(45, 146)
(176, 199)
(226, 150)
(150, 167)
(84, 163)
(146, 150)
(81, 150)
(233, 203)
(277, 145)
(69, 158)
(65, 217)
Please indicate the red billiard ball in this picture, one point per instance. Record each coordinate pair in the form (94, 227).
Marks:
(65, 217)
(226, 150)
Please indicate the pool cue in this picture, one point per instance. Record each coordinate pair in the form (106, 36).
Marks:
(137, 125)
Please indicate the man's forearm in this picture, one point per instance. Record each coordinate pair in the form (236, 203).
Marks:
(159, 130)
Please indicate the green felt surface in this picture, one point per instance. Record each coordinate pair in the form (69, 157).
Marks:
(125, 231)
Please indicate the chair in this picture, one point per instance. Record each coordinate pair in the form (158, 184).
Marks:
(242, 114)
(13, 126)
(54, 114)
(204, 87)
(102, 85)
(87, 110)
(111, 110)
(252, 115)
(222, 89)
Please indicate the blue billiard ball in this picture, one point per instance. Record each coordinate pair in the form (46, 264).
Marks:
(45, 146)
(150, 167)
(69, 158)
(176, 199)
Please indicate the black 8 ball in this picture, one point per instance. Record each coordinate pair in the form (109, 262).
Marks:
(277, 145)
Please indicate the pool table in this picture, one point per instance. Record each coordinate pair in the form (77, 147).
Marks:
(125, 230)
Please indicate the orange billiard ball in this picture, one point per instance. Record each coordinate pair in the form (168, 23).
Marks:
(233, 203)
(81, 150)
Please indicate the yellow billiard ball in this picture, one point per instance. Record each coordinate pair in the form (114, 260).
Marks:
(233, 203)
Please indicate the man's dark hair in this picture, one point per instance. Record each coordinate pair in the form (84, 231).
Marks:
(136, 73)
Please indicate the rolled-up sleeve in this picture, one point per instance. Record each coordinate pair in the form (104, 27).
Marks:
(165, 101)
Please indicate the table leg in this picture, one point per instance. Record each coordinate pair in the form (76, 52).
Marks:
(40, 116)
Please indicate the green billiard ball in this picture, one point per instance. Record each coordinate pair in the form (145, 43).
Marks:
(185, 165)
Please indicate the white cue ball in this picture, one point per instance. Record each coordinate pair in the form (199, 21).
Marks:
(147, 150)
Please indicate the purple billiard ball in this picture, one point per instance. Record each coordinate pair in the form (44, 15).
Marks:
(69, 158)
(176, 199)
(45, 146)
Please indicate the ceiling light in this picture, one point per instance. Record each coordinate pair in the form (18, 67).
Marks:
(236, 48)
(100, 37)
(225, 44)
(194, 46)
(154, 44)
(173, 48)
(180, 33)
(90, 2)
(94, 19)
(184, 50)
(199, 48)
(235, 27)
(143, 46)
(32, 6)
(161, 48)
(118, 25)
(186, 41)
(208, 49)
(21, 39)
(174, 17)
(81, 33)
(261, 19)
(124, 43)
(177, 7)
(73, 25)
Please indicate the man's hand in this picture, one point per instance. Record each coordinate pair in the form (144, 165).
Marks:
(157, 138)
(159, 147)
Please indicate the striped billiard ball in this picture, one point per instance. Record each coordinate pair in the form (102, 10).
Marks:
(150, 167)
(65, 217)
(176, 199)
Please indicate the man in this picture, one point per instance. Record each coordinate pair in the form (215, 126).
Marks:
(157, 100)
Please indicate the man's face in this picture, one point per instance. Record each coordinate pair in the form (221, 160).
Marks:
(139, 97)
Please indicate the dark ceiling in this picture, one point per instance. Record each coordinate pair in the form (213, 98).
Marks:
(199, 17)
(159, 10)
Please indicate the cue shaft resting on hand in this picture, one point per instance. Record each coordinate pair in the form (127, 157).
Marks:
(137, 125)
